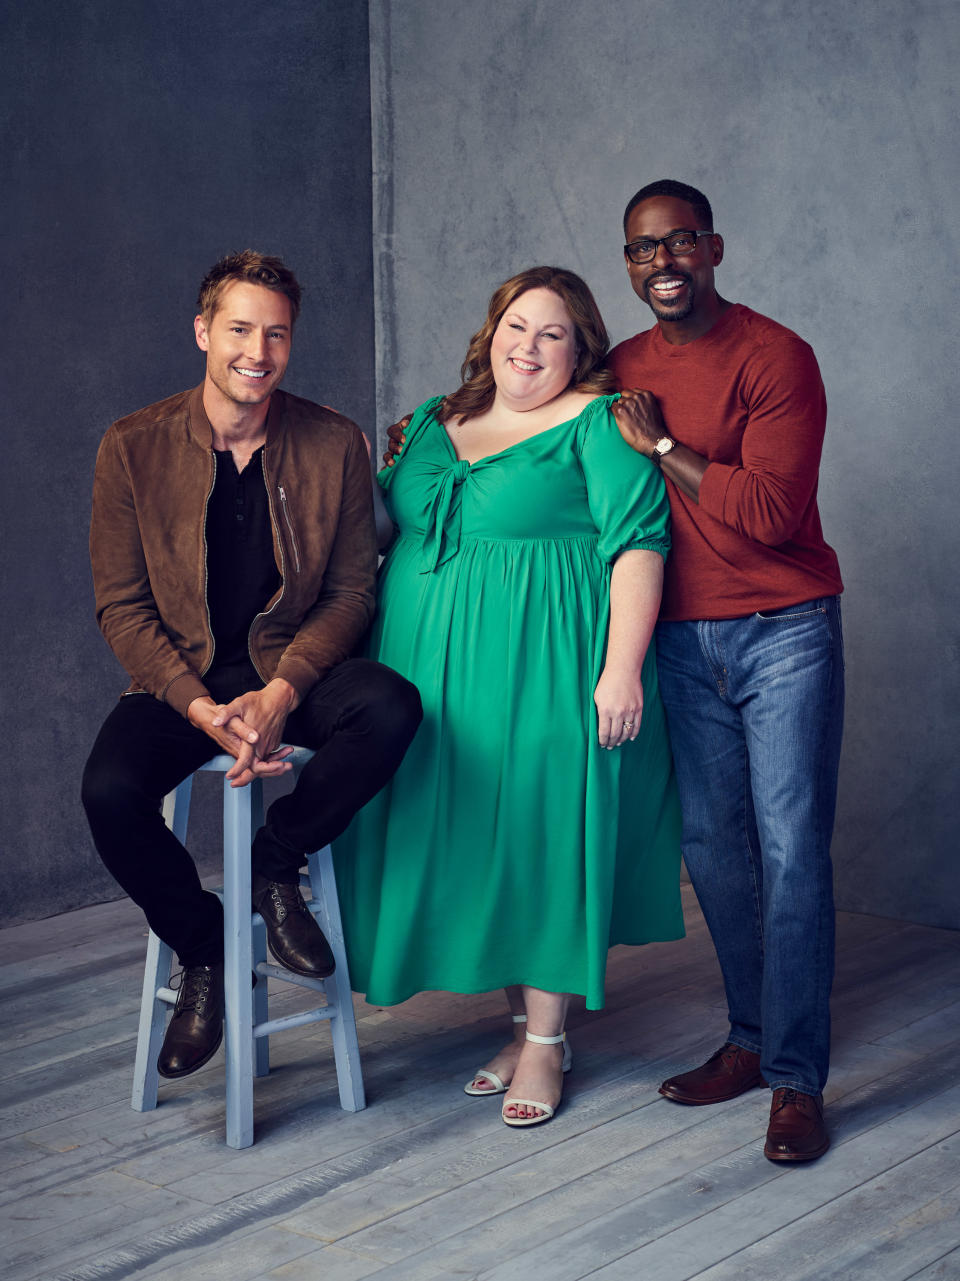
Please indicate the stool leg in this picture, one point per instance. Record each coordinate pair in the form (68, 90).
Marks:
(261, 1044)
(156, 974)
(153, 1023)
(238, 963)
(343, 1024)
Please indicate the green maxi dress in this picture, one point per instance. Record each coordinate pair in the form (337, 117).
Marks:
(510, 847)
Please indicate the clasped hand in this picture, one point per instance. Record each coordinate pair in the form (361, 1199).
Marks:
(249, 728)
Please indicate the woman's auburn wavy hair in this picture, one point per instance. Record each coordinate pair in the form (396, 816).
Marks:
(477, 389)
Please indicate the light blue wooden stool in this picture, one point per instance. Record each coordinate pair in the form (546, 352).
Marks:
(246, 1025)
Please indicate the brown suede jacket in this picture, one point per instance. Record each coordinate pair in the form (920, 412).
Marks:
(154, 476)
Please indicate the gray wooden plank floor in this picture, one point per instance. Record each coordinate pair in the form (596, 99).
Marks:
(427, 1183)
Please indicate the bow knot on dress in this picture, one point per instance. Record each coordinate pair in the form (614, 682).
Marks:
(441, 538)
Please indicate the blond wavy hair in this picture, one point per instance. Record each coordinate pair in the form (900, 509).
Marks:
(254, 268)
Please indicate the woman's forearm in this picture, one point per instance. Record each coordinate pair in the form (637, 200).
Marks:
(636, 585)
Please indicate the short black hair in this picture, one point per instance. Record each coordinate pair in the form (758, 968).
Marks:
(676, 191)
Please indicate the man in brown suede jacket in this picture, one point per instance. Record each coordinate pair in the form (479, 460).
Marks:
(233, 554)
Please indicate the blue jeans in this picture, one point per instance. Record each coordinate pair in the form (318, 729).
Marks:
(755, 709)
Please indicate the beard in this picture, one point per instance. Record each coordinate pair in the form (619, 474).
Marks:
(670, 311)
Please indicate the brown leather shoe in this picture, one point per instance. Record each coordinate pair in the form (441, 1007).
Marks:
(295, 938)
(729, 1072)
(796, 1131)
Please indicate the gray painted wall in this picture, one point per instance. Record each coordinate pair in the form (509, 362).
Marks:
(140, 143)
(511, 134)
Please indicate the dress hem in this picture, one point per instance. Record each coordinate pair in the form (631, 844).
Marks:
(668, 936)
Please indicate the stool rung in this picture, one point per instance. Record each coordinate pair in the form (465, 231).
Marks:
(293, 1020)
(288, 976)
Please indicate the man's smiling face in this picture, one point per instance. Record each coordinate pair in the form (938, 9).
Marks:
(675, 288)
(247, 341)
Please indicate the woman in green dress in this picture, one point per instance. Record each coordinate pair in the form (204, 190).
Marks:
(534, 821)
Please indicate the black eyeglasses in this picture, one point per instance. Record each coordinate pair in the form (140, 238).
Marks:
(678, 243)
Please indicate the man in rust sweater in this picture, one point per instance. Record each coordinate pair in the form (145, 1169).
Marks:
(233, 554)
(749, 649)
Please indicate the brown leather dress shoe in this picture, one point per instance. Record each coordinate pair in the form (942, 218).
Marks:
(295, 938)
(196, 1029)
(729, 1072)
(796, 1131)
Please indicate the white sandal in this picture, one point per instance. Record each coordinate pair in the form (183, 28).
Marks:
(482, 1074)
(547, 1111)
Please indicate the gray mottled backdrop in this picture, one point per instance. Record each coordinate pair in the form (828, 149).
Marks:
(141, 141)
(510, 134)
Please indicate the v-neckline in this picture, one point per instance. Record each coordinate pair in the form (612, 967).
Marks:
(516, 444)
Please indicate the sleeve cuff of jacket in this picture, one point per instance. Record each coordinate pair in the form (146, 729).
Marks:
(182, 690)
(301, 675)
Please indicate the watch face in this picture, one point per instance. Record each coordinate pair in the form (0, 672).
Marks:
(664, 445)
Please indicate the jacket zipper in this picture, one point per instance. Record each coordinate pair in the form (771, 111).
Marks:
(283, 566)
(206, 567)
(293, 537)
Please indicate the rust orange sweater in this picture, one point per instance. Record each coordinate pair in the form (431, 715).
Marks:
(747, 396)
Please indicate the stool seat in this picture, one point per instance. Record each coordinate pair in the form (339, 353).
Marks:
(247, 1026)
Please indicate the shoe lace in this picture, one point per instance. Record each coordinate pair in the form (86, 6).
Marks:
(193, 986)
(286, 899)
(786, 1096)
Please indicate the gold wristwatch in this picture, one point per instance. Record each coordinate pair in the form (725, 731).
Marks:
(663, 446)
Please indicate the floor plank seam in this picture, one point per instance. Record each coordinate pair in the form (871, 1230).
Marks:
(926, 1269)
(251, 1212)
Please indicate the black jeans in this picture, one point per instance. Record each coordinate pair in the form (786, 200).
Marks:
(359, 720)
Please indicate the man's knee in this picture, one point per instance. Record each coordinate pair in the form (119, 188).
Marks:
(391, 704)
(363, 699)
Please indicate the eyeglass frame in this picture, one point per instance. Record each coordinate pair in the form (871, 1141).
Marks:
(662, 240)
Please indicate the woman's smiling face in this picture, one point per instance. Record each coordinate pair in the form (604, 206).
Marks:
(534, 350)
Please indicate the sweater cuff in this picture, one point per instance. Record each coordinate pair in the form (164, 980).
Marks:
(714, 484)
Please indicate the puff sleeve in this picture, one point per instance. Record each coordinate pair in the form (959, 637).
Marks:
(625, 491)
